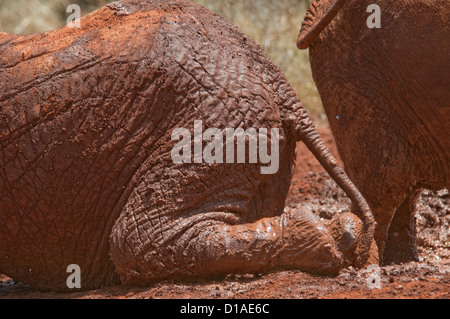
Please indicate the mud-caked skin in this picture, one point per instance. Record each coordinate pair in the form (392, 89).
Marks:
(386, 94)
(86, 174)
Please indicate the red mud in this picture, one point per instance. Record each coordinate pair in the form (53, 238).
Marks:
(429, 278)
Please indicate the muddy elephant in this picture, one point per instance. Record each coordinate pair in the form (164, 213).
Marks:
(383, 76)
(89, 121)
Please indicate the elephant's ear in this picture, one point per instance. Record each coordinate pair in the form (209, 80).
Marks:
(318, 16)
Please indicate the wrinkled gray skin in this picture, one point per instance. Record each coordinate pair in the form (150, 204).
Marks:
(86, 175)
(386, 94)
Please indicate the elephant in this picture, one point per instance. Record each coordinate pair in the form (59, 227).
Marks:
(89, 121)
(385, 90)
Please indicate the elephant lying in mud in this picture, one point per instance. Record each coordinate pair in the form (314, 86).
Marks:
(87, 121)
(386, 94)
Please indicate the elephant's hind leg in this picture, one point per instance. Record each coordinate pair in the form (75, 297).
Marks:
(148, 247)
(401, 245)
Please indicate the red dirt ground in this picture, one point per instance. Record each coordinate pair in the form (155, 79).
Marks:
(429, 278)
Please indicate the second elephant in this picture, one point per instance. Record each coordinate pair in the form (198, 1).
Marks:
(386, 92)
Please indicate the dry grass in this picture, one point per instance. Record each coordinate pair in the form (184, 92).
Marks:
(273, 24)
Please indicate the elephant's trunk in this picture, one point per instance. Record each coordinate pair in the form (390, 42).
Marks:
(318, 16)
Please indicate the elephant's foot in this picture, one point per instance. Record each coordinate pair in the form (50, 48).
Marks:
(345, 230)
(214, 244)
(308, 245)
(401, 243)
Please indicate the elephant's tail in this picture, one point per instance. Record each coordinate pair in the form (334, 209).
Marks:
(298, 123)
(318, 16)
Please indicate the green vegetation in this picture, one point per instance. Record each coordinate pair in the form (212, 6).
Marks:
(273, 24)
